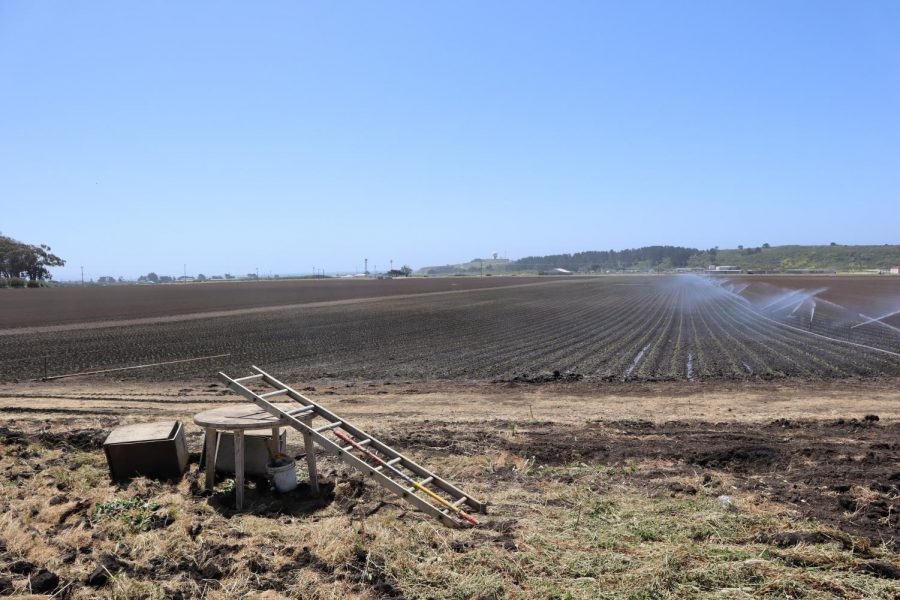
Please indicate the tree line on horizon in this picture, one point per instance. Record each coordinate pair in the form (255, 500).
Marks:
(601, 260)
(834, 256)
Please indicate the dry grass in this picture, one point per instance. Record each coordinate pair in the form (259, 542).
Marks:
(565, 531)
(573, 531)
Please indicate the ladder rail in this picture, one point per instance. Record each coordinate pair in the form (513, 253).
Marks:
(377, 444)
(333, 448)
(416, 485)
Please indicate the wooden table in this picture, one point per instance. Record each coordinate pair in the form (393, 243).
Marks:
(239, 418)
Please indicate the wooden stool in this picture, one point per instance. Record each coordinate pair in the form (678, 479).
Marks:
(238, 419)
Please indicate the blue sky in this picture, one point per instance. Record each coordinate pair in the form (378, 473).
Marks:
(230, 136)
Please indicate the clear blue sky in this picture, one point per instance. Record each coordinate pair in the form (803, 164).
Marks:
(139, 136)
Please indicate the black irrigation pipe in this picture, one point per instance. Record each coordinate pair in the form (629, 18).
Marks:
(159, 364)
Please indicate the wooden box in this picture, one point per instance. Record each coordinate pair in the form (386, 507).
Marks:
(157, 450)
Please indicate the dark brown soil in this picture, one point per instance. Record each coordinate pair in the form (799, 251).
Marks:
(62, 305)
(845, 472)
(611, 329)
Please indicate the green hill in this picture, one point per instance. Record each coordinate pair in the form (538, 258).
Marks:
(837, 257)
(834, 257)
(473, 267)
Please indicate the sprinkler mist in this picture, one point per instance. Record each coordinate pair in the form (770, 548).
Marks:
(878, 320)
(637, 359)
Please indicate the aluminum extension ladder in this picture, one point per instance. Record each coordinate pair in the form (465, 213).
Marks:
(391, 470)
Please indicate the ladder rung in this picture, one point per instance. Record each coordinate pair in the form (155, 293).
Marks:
(248, 378)
(389, 463)
(426, 481)
(275, 393)
(362, 443)
(329, 426)
(457, 504)
(300, 411)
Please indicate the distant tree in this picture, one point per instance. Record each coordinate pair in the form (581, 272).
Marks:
(740, 246)
(229, 276)
(834, 243)
(766, 245)
(406, 270)
(151, 276)
(18, 259)
(201, 277)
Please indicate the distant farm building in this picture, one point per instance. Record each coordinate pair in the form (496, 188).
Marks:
(561, 271)
(895, 270)
(724, 270)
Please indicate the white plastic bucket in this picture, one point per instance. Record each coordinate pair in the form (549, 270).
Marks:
(284, 477)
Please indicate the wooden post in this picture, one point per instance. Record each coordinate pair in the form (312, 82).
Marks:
(239, 468)
(276, 440)
(212, 448)
(311, 459)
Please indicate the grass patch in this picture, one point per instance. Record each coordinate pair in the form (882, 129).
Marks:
(135, 513)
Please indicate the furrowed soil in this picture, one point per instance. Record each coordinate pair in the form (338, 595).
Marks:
(633, 436)
(69, 305)
(624, 328)
(663, 489)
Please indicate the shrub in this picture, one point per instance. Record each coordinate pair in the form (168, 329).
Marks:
(34, 283)
(16, 282)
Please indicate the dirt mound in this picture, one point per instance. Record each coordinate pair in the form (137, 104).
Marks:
(82, 439)
(547, 377)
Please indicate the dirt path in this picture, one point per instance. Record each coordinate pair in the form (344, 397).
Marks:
(405, 401)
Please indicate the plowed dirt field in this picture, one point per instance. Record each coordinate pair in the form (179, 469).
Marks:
(606, 328)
